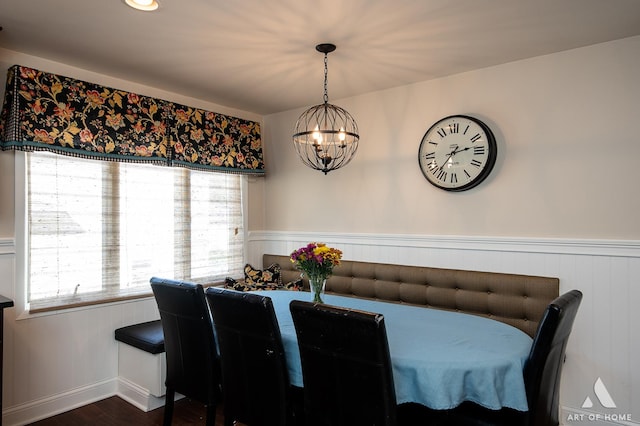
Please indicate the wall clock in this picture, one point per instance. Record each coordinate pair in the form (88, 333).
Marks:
(457, 153)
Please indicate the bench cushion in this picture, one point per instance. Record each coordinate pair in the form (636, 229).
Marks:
(147, 336)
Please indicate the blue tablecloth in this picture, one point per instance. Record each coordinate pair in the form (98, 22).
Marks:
(439, 358)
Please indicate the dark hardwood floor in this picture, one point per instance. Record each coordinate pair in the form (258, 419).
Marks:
(115, 411)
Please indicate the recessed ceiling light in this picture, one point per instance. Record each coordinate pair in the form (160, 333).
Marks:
(146, 5)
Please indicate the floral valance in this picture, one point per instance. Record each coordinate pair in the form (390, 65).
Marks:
(44, 111)
(202, 138)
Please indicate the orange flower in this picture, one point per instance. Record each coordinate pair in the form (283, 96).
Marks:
(63, 111)
(133, 98)
(197, 135)
(94, 98)
(182, 116)
(142, 151)
(115, 121)
(41, 135)
(37, 107)
(86, 136)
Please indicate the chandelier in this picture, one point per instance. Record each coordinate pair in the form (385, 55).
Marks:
(326, 136)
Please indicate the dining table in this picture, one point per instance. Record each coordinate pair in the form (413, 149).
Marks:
(439, 358)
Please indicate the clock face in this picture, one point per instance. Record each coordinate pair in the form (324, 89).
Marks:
(457, 153)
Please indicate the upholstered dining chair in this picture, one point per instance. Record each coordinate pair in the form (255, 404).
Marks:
(255, 379)
(542, 372)
(192, 362)
(346, 367)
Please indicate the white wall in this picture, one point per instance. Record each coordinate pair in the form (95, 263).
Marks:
(561, 201)
(566, 128)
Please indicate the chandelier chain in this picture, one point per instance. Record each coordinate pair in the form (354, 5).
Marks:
(326, 95)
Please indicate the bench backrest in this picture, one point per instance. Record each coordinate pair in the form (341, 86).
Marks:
(518, 300)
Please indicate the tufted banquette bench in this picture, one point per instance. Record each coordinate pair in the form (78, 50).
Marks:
(517, 300)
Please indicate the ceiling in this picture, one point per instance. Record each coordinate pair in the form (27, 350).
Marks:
(259, 55)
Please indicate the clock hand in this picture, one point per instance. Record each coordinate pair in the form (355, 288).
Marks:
(448, 157)
(456, 151)
(447, 160)
(451, 154)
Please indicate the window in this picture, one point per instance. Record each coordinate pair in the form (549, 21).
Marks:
(99, 230)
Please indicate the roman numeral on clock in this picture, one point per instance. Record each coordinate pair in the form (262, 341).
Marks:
(442, 133)
(478, 150)
(475, 137)
(454, 127)
(476, 163)
(430, 155)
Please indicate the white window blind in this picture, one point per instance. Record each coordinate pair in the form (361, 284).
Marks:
(99, 230)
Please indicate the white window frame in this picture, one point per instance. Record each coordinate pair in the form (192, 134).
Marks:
(22, 240)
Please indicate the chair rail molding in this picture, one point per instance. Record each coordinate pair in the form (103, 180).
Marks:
(624, 248)
(7, 246)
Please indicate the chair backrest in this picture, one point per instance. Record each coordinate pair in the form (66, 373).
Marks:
(346, 367)
(254, 372)
(543, 369)
(192, 363)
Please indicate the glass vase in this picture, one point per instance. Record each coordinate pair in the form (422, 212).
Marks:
(316, 284)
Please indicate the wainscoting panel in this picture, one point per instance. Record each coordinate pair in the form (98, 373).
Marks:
(57, 361)
(605, 342)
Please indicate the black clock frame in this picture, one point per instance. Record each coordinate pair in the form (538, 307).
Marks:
(491, 158)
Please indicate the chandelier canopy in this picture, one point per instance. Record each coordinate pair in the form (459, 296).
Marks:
(326, 135)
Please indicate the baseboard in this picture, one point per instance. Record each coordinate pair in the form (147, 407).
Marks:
(60, 403)
(140, 397)
(51, 406)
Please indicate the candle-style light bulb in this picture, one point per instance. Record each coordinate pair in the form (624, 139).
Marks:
(317, 136)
